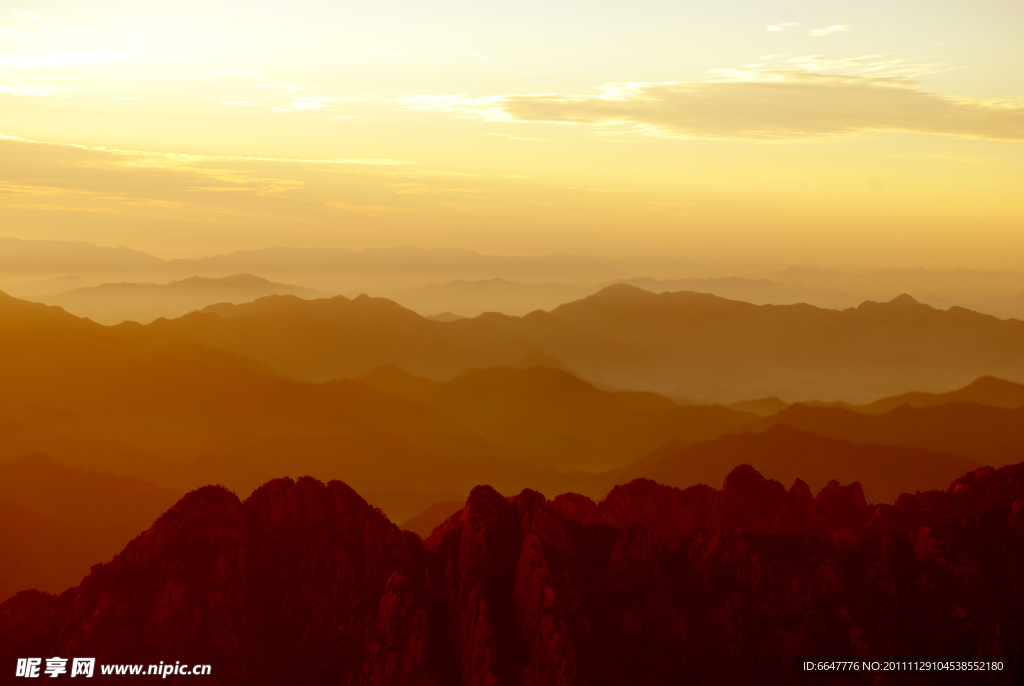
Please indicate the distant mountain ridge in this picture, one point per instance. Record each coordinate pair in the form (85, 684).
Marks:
(57, 521)
(473, 298)
(548, 415)
(186, 412)
(524, 282)
(675, 343)
(984, 434)
(784, 453)
(986, 390)
(754, 291)
(333, 269)
(113, 303)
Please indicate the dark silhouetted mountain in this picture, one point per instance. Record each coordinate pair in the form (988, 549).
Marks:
(746, 501)
(686, 344)
(984, 434)
(432, 517)
(552, 418)
(785, 453)
(306, 583)
(112, 303)
(57, 521)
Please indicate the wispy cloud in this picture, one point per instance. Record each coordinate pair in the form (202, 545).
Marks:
(12, 32)
(780, 27)
(44, 92)
(27, 15)
(951, 158)
(64, 59)
(514, 138)
(864, 65)
(831, 29)
(761, 105)
(302, 97)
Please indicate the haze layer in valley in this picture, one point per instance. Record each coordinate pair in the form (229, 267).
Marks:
(462, 282)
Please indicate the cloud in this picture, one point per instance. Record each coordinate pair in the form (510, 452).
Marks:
(27, 15)
(514, 138)
(831, 29)
(382, 54)
(780, 27)
(17, 90)
(12, 32)
(764, 105)
(66, 59)
(301, 97)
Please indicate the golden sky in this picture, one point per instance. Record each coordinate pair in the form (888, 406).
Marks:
(838, 132)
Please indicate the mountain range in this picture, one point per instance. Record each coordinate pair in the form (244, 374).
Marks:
(473, 298)
(557, 420)
(687, 345)
(784, 453)
(431, 281)
(986, 390)
(181, 413)
(113, 303)
(304, 582)
(331, 269)
(642, 569)
(57, 521)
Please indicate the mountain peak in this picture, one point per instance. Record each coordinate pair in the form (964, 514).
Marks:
(904, 300)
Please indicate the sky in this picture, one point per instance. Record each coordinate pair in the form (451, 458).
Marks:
(831, 132)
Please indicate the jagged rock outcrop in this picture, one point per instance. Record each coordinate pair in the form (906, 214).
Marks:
(746, 501)
(398, 643)
(306, 583)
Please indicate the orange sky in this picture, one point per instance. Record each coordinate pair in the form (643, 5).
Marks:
(849, 134)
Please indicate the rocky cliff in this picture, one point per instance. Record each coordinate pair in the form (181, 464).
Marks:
(306, 583)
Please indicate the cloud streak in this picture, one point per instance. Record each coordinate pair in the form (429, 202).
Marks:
(764, 105)
(831, 29)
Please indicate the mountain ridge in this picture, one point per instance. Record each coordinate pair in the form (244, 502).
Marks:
(305, 581)
(677, 344)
